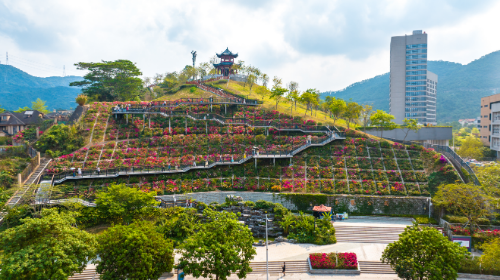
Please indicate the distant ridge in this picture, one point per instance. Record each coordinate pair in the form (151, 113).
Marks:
(19, 89)
(460, 87)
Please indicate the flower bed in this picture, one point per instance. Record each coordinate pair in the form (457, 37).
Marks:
(333, 263)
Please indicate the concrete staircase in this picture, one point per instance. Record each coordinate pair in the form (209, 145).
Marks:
(374, 267)
(364, 234)
(276, 267)
(87, 274)
(31, 180)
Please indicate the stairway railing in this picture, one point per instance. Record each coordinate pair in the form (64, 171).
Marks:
(222, 160)
(456, 159)
(299, 127)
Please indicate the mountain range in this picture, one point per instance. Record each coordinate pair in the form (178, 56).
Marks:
(459, 90)
(19, 89)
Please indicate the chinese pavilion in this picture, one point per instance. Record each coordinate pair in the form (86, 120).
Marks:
(225, 65)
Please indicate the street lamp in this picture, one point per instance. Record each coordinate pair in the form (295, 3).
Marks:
(430, 204)
(267, 259)
(314, 218)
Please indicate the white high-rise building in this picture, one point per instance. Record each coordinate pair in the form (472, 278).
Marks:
(412, 88)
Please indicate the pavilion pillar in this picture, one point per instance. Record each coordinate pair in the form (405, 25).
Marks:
(149, 121)
(169, 128)
(127, 118)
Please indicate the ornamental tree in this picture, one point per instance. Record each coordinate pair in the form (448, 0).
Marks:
(489, 176)
(45, 248)
(410, 125)
(136, 251)
(383, 120)
(337, 108)
(110, 80)
(221, 246)
(277, 92)
(463, 199)
(121, 203)
(424, 253)
(471, 148)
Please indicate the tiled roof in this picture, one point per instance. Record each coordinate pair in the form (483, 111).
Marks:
(227, 52)
(21, 118)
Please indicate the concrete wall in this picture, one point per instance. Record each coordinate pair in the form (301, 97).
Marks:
(424, 133)
(340, 203)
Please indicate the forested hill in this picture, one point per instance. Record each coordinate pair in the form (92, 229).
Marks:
(19, 89)
(460, 87)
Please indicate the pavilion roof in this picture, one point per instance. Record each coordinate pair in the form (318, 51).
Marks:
(322, 208)
(227, 52)
(223, 63)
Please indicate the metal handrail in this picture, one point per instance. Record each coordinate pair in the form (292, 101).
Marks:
(231, 121)
(452, 155)
(222, 160)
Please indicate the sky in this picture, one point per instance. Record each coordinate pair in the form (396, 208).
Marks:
(326, 45)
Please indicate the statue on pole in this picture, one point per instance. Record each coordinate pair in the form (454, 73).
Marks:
(194, 58)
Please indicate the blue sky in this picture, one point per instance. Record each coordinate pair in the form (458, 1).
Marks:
(320, 44)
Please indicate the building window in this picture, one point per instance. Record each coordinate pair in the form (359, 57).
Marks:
(416, 67)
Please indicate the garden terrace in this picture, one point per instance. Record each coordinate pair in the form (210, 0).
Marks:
(196, 101)
(354, 166)
(177, 154)
(219, 91)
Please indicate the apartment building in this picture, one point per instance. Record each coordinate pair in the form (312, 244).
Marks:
(412, 87)
(490, 122)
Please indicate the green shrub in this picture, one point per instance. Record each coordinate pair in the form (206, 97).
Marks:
(425, 220)
(192, 89)
(462, 220)
(471, 265)
(264, 205)
(4, 140)
(249, 204)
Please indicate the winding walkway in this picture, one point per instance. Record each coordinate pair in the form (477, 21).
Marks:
(111, 173)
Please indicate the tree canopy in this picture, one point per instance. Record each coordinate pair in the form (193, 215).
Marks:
(110, 80)
(471, 148)
(40, 106)
(45, 248)
(410, 125)
(491, 254)
(220, 247)
(383, 120)
(121, 203)
(464, 199)
(136, 251)
(424, 253)
(277, 92)
(60, 139)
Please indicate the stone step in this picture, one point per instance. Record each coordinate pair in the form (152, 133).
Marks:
(375, 267)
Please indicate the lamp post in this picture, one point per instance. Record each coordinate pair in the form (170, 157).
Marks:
(267, 259)
(430, 204)
(314, 218)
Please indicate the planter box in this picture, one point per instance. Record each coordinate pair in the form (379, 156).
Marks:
(332, 271)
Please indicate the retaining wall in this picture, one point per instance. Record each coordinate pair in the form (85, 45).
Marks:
(355, 204)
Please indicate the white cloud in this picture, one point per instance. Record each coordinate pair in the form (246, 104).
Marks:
(320, 44)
